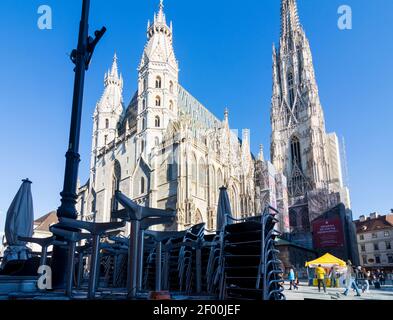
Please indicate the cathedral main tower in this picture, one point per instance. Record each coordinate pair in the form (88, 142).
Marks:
(300, 146)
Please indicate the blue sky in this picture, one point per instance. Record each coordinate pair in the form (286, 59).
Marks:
(224, 52)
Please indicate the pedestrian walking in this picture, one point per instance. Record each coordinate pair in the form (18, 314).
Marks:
(367, 278)
(350, 280)
(291, 278)
(321, 278)
(382, 277)
(296, 282)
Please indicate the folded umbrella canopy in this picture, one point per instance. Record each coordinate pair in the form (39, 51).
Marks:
(19, 222)
(223, 209)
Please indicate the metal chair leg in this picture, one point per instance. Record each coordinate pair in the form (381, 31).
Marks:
(94, 267)
(70, 268)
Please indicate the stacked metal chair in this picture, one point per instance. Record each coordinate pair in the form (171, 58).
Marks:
(249, 267)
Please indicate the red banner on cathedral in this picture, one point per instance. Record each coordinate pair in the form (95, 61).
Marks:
(328, 233)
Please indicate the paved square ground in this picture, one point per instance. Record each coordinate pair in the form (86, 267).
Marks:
(307, 292)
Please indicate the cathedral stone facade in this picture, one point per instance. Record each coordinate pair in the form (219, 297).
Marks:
(165, 149)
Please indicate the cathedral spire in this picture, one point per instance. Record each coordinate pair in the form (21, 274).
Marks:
(160, 17)
(289, 18)
(114, 70)
(261, 155)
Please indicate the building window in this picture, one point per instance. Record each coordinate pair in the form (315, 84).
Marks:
(143, 124)
(143, 104)
(386, 234)
(295, 151)
(158, 82)
(388, 245)
(144, 84)
(363, 248)
(374, 236)
(171, 87)
(157, 122)
(156, 141)
(376, 246)
(377, 259)
(364, 258)
(390, 259)
(194, 175)
(142, 185)
(158, 101)
(361, 237)
(291, 90)
(105, 139)
(171, 105)
(142, 146)
(106, 123)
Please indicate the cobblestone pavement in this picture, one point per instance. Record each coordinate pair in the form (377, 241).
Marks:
(307, 292)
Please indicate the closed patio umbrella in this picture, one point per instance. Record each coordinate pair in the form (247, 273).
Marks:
(223, 209)
(19, 222)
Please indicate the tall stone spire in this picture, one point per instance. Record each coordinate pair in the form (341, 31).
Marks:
(289, 17)
(112, 76)
(160, 17)
(299, 143)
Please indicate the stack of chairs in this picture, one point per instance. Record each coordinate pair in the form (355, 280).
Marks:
(179, 260)
(249, 268)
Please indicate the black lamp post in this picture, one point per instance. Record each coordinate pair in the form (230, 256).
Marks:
(81, 57)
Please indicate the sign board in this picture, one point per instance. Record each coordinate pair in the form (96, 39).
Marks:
(328, 233)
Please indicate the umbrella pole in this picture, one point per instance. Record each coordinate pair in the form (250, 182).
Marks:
(81, 58)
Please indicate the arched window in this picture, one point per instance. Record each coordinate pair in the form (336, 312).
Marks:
(143, 123)
(143, 185)
(106, 123)
(116, 177)
(158, 82)
(171, 105)
(291, 90)
(295, 151)
(202, 178)
(194, 174)
(220, 180)
(212, 183)
(171, 87)
(144, 84)
(156, 141)
(157, 122)
(143, 104)
(142, 146)
(158, 101)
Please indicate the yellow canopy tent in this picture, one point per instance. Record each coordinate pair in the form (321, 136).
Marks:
(326, 261)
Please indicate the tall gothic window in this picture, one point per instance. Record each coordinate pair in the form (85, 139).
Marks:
(158, 101)
(157, 122)
(171, 105)
(158, 82)
(194, 174)
(171, 87)
(295, 151)
(156, 141)
(142, 146)
(116, 177)
(144, 84)
(203, 178)
(143, 104)
(106, 123)
(291, 90)
(143, 123)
